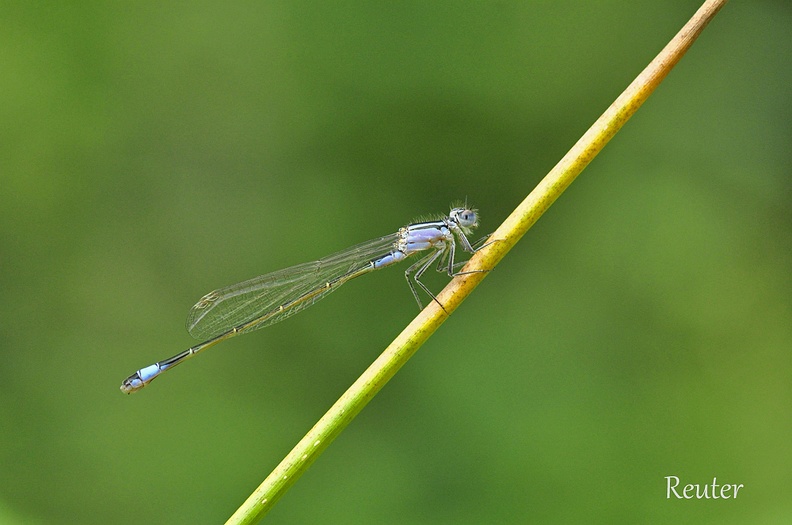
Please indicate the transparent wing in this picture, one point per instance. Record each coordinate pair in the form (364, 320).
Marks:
(262, 297)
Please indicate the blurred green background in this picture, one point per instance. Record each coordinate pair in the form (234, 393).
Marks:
(152, 152)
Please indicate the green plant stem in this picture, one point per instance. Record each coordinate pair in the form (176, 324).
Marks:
(505, 237)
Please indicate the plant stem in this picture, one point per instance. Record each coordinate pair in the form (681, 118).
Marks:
(503, 239)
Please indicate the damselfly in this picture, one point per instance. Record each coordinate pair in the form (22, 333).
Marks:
(273, 297)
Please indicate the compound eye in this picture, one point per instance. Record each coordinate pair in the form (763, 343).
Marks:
(467, 218)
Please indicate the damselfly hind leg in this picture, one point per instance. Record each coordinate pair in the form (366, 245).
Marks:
(418, 270)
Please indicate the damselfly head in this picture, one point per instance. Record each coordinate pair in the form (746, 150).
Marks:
(466, 218)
